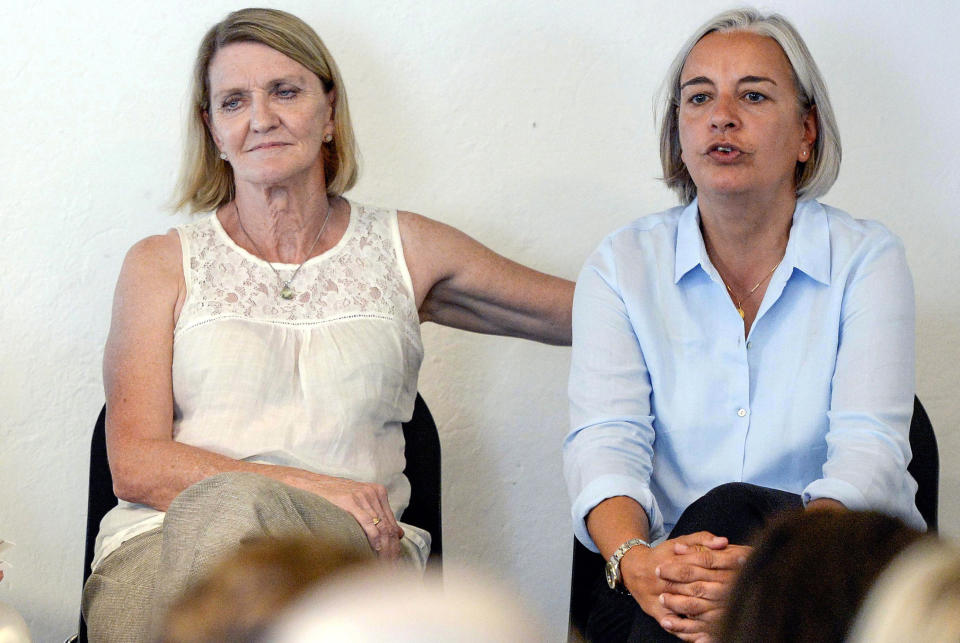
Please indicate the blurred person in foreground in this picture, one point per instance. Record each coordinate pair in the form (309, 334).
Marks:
(808, 574)
(242, 595)
(372, 606)
(746, 353)
(917, 598)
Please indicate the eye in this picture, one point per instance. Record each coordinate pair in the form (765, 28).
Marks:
(286, 92)
(698, 99)
(230, 104)
(754, 97)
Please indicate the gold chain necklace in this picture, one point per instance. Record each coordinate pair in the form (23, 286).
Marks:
(286, 291)
(740, 300)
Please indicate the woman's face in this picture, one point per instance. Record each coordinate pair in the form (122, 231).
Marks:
(268, 113)
(740, 129)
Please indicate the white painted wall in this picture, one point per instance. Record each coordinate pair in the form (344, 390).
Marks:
(526, 123)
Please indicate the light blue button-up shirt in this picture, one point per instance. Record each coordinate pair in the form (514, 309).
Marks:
(668, 399)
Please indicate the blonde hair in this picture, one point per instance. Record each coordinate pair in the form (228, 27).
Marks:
(916, 599)
(241, 596)
(206, 181)
(814, 177)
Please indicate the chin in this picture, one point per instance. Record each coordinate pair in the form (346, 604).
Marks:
(722, 189)
(267, 174)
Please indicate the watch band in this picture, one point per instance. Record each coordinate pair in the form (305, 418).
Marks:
(614, 580)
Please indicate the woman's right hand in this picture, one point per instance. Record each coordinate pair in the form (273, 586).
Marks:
(366, 502)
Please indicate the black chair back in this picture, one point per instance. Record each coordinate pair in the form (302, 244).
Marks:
(422, 453)
(925, 464)
(924, 467)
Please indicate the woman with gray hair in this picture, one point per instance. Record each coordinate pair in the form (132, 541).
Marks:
(746, 353)
(261, 359)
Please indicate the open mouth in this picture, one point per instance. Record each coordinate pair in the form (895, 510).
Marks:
(724, 151)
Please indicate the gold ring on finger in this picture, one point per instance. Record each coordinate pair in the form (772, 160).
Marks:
(376, 520)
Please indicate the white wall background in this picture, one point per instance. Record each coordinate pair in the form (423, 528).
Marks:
(526, 123)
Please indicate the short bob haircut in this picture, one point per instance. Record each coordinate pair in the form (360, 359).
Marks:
(814, 177)
(206, 181)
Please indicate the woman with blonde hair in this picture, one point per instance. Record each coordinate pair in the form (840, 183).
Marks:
(261, 359)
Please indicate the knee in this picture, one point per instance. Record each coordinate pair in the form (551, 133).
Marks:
(727, 493)
(710, 511)
(236, 489)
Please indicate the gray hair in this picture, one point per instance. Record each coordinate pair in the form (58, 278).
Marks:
(814, 177)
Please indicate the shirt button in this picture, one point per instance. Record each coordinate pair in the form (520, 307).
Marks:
(742, 412)
(749, 344)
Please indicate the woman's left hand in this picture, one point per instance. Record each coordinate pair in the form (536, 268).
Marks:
(698, 580)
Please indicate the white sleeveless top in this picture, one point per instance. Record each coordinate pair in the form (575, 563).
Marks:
(321, 382)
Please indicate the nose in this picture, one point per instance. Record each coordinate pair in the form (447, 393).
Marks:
(263, 118)
(724, 115)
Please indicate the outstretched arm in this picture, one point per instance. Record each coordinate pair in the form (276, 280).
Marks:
(461, 283)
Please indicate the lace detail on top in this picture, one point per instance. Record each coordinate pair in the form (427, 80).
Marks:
(359, 276)
(321, 382)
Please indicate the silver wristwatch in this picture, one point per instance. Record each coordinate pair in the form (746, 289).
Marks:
(613, 565)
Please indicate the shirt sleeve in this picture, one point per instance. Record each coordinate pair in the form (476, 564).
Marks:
(609, 449)
(871, 403)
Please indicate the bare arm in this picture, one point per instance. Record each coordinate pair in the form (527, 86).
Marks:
(459, 282)
(147, 465)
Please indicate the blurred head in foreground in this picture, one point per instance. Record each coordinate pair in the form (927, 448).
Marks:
(916, 599)
(243, 594)
(370, 607)
(808, 573)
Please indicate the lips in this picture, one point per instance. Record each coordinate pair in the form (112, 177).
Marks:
(724, 152)
(266, 146)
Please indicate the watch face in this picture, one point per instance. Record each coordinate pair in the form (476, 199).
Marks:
(611, 576)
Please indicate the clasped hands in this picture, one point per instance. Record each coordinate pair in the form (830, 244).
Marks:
(682, 582)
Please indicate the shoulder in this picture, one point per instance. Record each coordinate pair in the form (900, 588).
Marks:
(845, 228)
(650, 238)
(157, 258)
(646, 232)
(418, 224)
(421, 234)
(156, 248)
(852, 238)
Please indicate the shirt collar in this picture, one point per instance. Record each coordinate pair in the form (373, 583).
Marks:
(690, 250)
(808, 249)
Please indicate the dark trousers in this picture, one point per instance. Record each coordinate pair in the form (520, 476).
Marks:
(735, 510)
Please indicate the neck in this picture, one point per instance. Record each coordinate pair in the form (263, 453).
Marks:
(282, 222)
(745, 239)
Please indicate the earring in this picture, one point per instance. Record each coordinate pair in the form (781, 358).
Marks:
(804, 154)
(223, 156)
(328, 138)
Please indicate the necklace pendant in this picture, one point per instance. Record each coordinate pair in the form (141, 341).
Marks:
(743, 315)
(287, 293)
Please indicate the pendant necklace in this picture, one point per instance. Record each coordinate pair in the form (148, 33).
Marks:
(752, 290)
(286, 290)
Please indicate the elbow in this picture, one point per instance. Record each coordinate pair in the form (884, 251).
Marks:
(124, 487)
(129, 480)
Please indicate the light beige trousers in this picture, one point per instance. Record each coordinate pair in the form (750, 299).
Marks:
(126, 597)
